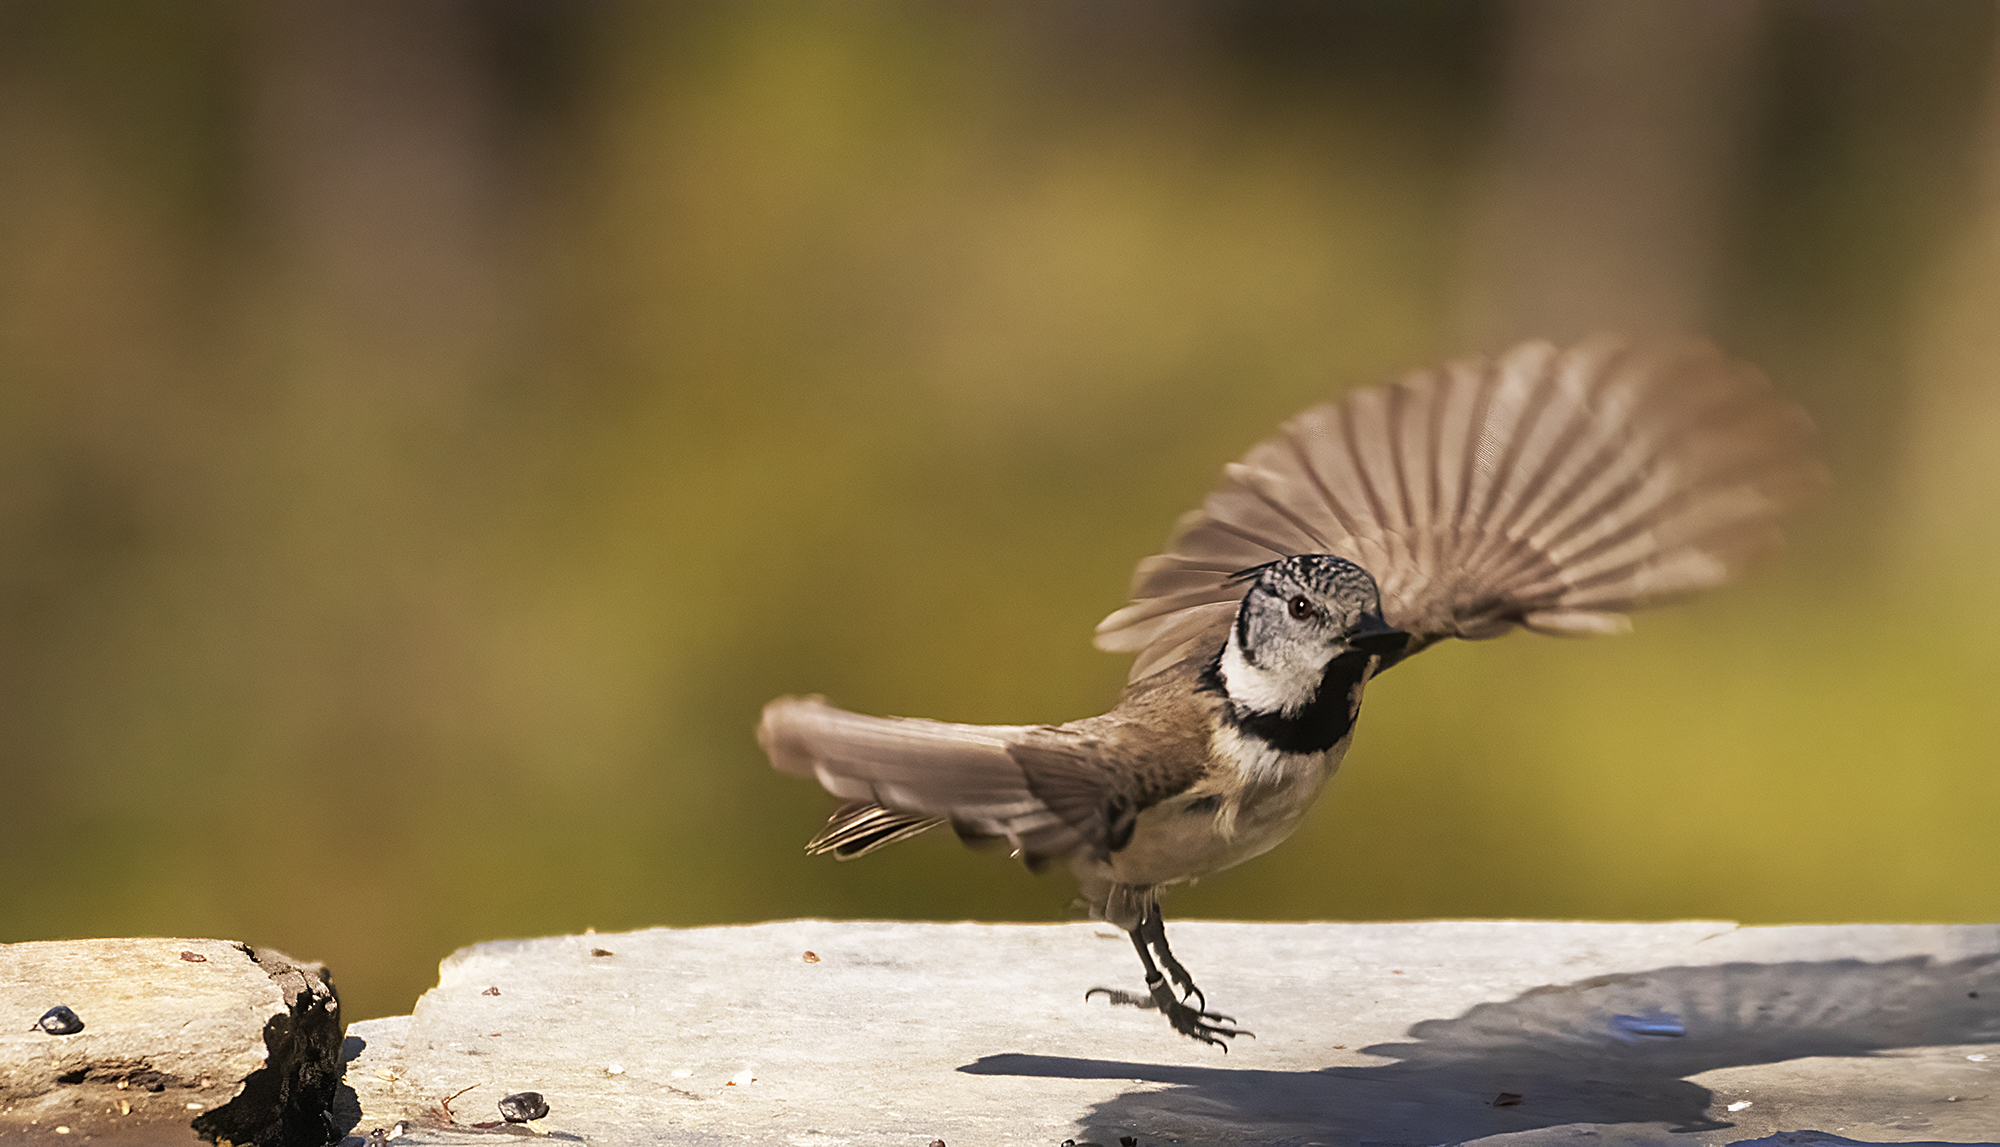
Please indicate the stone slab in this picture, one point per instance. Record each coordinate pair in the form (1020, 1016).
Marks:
(1692, 1032)
(182, 1039)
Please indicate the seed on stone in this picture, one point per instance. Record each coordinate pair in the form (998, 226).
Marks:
(490, 992)
(194, 957)
(600, 952)
(59, 1020)
(811, 957)
(523, 1106)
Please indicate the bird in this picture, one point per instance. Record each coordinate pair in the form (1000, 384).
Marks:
(1550, 489)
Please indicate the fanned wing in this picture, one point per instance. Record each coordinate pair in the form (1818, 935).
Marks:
(986, 780)
(1551, 489)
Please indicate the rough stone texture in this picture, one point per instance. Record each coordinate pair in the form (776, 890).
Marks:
(182, 1040)
(1367, 1033)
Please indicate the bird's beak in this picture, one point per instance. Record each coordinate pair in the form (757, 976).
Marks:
(1373, 635)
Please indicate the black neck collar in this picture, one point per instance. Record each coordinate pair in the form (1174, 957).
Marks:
(1318, 725)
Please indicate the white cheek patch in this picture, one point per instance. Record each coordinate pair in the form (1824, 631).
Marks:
(1264, 690)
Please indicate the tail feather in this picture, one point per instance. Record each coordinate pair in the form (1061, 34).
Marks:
(858, 828)
(918, 773)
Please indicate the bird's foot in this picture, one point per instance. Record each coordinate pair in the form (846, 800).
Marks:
(1180, 978)
(1193, 1022)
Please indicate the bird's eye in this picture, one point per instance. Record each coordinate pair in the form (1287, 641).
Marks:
(1302, 607)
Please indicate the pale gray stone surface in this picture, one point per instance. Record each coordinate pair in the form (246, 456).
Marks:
(1366, 1033)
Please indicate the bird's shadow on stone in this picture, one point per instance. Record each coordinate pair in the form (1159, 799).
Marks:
(1608, 1050)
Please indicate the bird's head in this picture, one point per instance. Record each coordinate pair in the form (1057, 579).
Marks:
(1299, 614)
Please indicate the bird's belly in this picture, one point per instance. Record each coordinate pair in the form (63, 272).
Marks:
(1195, 834)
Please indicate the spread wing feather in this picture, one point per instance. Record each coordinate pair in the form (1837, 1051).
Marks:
(1552, 489)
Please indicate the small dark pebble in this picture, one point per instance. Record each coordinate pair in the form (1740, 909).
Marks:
(523, 1106)
(1128, 1141)
(937, 1143)
(1506, 1099)
(59, 1020)
(194, 957)
(600, 951)
(490, 992)
(156, 1087)
(1972, 995)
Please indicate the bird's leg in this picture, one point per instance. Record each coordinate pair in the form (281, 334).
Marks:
(1150, 934)
(1153, 927)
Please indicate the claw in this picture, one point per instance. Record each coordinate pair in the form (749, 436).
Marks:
(1192, 1023)
(1196, 1023)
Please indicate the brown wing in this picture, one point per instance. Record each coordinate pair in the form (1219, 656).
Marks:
(1049, 798)
(1552, 489)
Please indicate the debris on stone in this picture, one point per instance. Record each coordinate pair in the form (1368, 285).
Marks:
(60, 1020)
(523, 1106)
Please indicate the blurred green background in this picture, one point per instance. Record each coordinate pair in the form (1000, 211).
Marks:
(430, 430)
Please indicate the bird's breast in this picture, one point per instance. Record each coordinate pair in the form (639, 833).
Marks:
(1252, 799)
